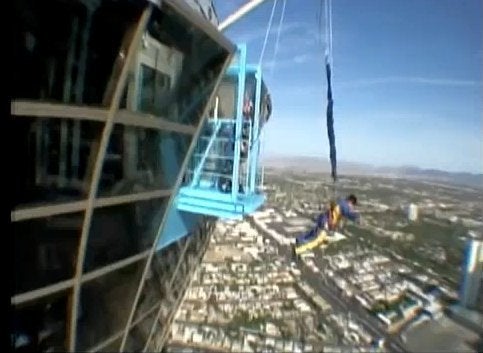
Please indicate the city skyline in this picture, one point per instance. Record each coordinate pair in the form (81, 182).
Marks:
(403, 79)
(137, 226)
(370, 288)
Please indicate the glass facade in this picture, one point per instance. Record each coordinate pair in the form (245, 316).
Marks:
(108, 97)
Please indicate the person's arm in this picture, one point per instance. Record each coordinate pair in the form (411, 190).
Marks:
(348, 213)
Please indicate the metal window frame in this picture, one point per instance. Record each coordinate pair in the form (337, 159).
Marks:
(99, 346)
(131, 42)
(32, 295)
(175, 272)
(176, 186)
(28, 213)
(199, 21)
(179, 300)
(111, 116)
(38, 293)
(26, 108)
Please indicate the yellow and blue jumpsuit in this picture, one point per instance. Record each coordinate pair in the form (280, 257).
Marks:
(326, 221)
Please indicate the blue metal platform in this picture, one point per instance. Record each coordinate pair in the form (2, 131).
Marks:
(217, 204)
(223, 178)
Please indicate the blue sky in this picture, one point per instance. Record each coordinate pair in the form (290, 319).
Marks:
(408, 86)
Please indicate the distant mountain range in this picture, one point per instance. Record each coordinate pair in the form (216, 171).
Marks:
(321, 165)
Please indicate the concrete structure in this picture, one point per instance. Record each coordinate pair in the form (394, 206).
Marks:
(412, 212)
(472, 283)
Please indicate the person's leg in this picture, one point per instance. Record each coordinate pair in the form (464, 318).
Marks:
(322, 220)
(319, 239)
(305, 237)
(301, 242)
(302, 238)
(309, 240)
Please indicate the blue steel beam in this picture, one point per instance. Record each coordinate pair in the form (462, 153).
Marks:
(247, 174)
(255, 149)
(239, 118)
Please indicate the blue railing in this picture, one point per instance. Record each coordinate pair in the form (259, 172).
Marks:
(214, 164)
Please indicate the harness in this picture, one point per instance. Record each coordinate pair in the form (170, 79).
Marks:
(334, 215)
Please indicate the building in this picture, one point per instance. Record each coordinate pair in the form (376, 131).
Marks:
(107, 99)
(471, 292)
(413, 212)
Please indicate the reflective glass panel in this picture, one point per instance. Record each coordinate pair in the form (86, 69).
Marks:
(45, 250)
(121, 231)
(40, 326)
(55, 155)
(177, 68)
(65, 52)
(105, 304)
(140, 160)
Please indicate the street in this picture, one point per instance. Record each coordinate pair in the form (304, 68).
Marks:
(339, 304)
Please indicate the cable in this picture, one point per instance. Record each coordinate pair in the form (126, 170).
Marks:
(269, 27)
(267, 33)
(280, 23)
(328, 30)
(319, 23)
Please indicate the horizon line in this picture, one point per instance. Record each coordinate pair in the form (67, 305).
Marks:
(370, 165)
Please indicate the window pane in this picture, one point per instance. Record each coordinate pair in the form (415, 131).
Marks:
(68, 58)
(105, 305)
(41, 326)
(159, 276)
(178, 67)
(227, 98)
(151, 295)
(55, 155)
(155, 87)
(172, 293)
(138, 335)
(121, 231)
(249, 96)
(45, 250)
(139, 160)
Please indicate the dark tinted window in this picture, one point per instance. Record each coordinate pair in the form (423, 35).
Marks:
(139, 160)
(41, 326)
(121, 231)
(45, 250)
(199, 61)
(67, 57)
(155, 87)
(55, 156)
(105, 305)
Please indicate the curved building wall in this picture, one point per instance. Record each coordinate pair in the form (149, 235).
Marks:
(104, 92)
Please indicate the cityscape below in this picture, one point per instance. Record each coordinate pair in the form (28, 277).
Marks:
(145, 217)
(408, 278)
